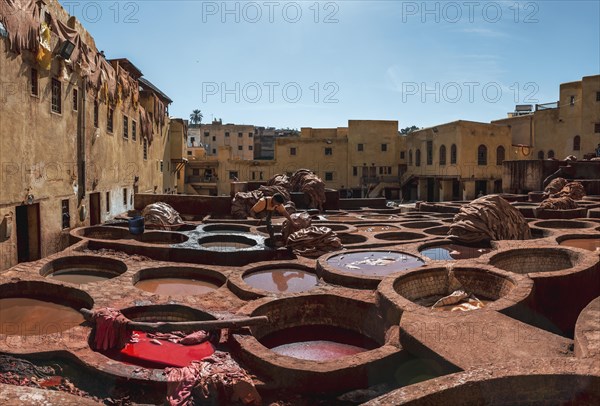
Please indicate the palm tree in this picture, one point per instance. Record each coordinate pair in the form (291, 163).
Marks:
(196, 117)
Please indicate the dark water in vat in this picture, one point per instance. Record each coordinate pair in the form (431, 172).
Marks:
(317, 343)
(177, 286)
(590, 244)
(81, 275)
(24, 316)
(448, 252)
(374, 263)
(375, 228)
(282, 280)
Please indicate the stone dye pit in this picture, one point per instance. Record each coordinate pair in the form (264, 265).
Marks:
(178, 281)
(589, 243)
(450, 252)
(83, 269)
(281, 280)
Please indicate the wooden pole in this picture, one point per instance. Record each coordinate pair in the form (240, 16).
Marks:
(165, 327)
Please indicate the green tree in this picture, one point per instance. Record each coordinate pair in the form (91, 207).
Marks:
(408, 130)
(196, 117)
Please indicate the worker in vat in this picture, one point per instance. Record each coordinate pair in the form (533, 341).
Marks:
(264, 208)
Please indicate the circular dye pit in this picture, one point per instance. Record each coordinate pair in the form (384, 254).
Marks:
(591, 243)
(157, 237)
(281, 280)
(532, 260)
(421, 224)
(441, 230)
(232, 228)
(179, 281)
(104, 233)
(146, 353)
(450, 252)
(563, 224)
(472, 288)
(373, 263)
(380, 217)
(349, 239)
(83, 269)
(400, 236)
(27, 317)
(317, 342)
(226, 242)
(375, 228)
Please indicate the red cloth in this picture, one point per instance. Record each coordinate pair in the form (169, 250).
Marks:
(111, 329)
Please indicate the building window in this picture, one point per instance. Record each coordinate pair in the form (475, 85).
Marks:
(206, 133)
(66, 217)
(145, 148)
(453, 154)
(240, 135)
(250, 147)
(328, 151)
(572, 101)
(226, 134)
(429, 152)
(402, 154)
(192, 140)
(410, 158)
(540, 154)
(250, 135)
(383, 147)
(56, 96)
(214, 138)
(482, 155)
(161, 167)
(598, 96)
(550, 154)
(240, 147)
(293, 151)
(418, 158)
(500, 155)
(233, 175)
(195, 172)
(360, 147)
(96, 107)
(443, 155)
(125, 197)
(108, 202)
(133, 130)
(328, 176)
(214, 151)
(75, 100)
(597, 128)
(34, 82)
(355, 171)
(189, 152)
(125, 127)
(109, 120)
(576, 143)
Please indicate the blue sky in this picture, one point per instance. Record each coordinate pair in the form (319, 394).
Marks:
(318, 64)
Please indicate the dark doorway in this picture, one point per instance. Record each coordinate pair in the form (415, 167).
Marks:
(456, 190)
(481, 187)
(498, 186)
(430, 189)
(94, 209)
(28, 232)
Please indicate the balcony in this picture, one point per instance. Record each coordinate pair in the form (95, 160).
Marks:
(206, 180)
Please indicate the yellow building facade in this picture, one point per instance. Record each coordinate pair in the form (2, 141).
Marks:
(71, 153)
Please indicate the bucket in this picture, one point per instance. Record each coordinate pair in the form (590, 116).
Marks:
(136, 225)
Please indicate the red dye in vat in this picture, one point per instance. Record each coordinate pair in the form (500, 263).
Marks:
(149, 355)
(317, 343)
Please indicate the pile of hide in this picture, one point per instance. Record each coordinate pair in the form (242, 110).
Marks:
(573, 190)
(111, 329)
(243, 201)
(217, 379)
(162, 215)
(488, 218)
(302, 220)
(313, 241)
(558, 203)
(555, 186)
(305, 181)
